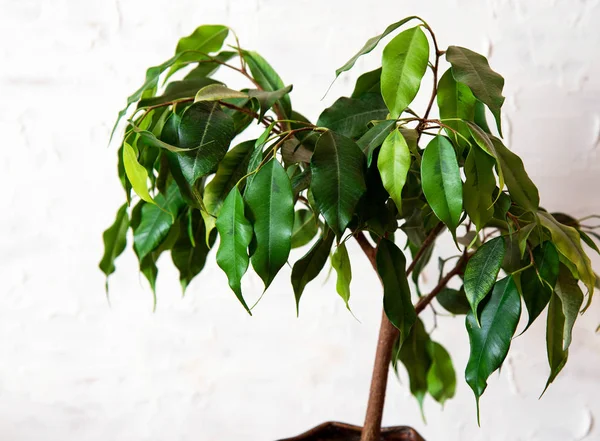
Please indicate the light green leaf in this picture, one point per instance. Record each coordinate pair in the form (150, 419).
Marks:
(338, 180)
(374, 137)
(490, 342)
(571, 298)
(235, 232)
(455, 100)
(371, 44)
(479, 187)
(482, 270)
(216, 92)
(473, 69)
(441, 181)
(204, 39)
(340, 261)
(414, 354)
(391, 267)
(115, 240)
(393, 163)
(441, 377)
(305, 228)
(350, 117)
(311, 264)
(136, 173)
(403, 65)
(271, 204)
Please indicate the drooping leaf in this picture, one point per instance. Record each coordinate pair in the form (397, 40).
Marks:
(338, 179)
(555, 327)
(150, 271)
(490, 342)
(216, 92)
(391, 267)
(455, 100)
(371, 44)
(235, 232)
(136, 173)
(538, 282)
(374, 137)
(369, 82)
(350, 117)
(571, 299)
(115, 240)
(588, 240)
(454, 301)
(568, 243)
(271, 204)
(266, 99)
(479, 187)
(311, 264)
(305, 228)
(441, 181)
(414, 354)
(473, 69)
(441, 377)
(340, 261)
(481, 272)
(485, 143)
(393, 163)
(204, 39)
(403, 65)
(256, 156)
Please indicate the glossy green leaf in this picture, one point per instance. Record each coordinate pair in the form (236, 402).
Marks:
(414, 354)
(267, 78)
(455, 100)
(480, 118)
(305, 228)
(271, 204)
(441, 181)
(369, 82)
(204, 39)
(538, 282)
(391, 267)
(136, 173)
(490, 342)
(523, 236)
(479, 187)
(393, 163)
(403, 65)
(473, 69)
(267, 99)
(311, 264)
(371, 44)
(454, 301)
(374, 137)
(340, 261)
(485, 142)
(156, 221)
(555, 327)
(150, 271)
(115, 240)
(216, 92)
(568, 243)
(482, 270)
(571, 298)
(338, 179)
(350, 117)
(441, 377)
(206, 68)
(235, 232)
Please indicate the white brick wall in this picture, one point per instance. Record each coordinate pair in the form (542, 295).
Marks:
(73, 368)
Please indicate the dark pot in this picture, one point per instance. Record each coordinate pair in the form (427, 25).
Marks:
(333, 431)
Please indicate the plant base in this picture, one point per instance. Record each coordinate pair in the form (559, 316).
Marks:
(333, 431)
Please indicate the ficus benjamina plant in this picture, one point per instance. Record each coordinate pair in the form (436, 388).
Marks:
(373, 169)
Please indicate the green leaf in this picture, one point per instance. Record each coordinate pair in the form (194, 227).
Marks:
(523, 236)
(216, 92)
(115, 240)
(311, 264)
(204, 39)
(235, 232)
(176, 91)
(483, 140)
(268, 79)
(206, 68)
(375, 137)
(340, 261)
(414, 354)
(571, 298)
(150, 271)
(482, 270)
(555, 327)
(155, 222)
(267, 99)
(480, 118)
(568, 243)
(473, 69)
(271, 203)
(588, 240)
(455, 100)
(441, 181)
(206, 129)
(369, 82)
(454, 301)
(403, 65)
(338, 179)
(350, 117)
(136, 173)
(371, 44)
(393, 163)
(490, 342)
(538, 282)
(479, 187)
(391, 267)
(305, 228)
(441, 377)
(189, 252)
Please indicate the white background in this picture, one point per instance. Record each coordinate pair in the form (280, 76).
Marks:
(73, 368)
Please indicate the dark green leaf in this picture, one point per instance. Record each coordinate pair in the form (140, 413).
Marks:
(115, 240)
(206, 68)
(271, 203)
(571, 298)
(338, 180)
(150, 271)
(394, 163)
(555, 326)
(454, 301)
(340, 261)
(588, 241)
(374, 138)
(482, 270)
(415, 355)
(178, 90)
(403, 65)
(369, 82)
(391, 267)
(480, 118)
(266, 99)
(455, 100)
(479, 187)
(441, 377)
(441, 181)
(305, 228)
(350, 117)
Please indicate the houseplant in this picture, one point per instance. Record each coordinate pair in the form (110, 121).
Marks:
(369, 168)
